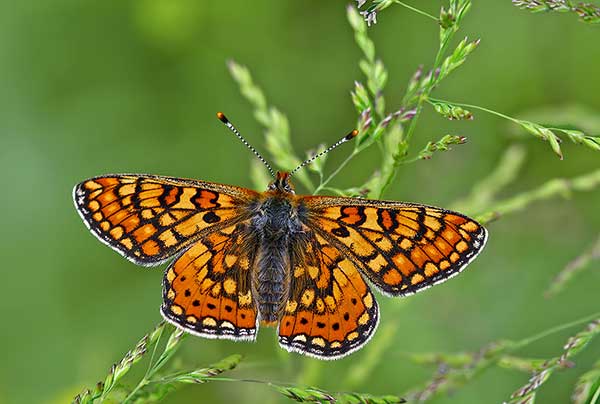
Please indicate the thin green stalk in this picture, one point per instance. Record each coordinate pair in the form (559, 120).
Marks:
(154, 349)
(587, 12)
(170, 349)
(335, 191)
(545, 133)
(460, 368)
(524, 342)
(436, 64)
(471, 106)
(550, 189)
(413, 123)
(595, 397)
(542, 371)
(578, 264)
(416, 10)
(307, 394)
(323, 184)
(484, 192)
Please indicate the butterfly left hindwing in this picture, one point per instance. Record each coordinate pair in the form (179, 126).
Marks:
(207, 290)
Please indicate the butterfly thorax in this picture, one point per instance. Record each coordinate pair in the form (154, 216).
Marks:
(275, 225)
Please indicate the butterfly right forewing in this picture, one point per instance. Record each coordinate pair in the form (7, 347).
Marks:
(148, 219)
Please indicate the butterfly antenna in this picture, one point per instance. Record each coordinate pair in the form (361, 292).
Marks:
(343, 140)
(236, 132)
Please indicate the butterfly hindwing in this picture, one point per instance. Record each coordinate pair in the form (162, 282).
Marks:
(330, 311)
(149, 218)
(402, 248)
(207, 290)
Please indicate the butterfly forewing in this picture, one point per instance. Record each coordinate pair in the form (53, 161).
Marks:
(207, 290)
(330, 312)
(402, 248)
(148, 218)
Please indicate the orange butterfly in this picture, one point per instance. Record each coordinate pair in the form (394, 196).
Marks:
(242, 258)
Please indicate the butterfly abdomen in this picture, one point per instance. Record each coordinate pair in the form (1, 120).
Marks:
(274, 226)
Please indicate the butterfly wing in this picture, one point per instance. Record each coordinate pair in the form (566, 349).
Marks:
(148, 219)
(330, 312)
(207, 292)
(402, 248)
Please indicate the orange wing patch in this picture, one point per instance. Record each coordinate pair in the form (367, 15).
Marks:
(402, 248)
(207, 290)
(148, 219)
(330, 312)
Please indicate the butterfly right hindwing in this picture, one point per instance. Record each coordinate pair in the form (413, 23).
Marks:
(330, 312)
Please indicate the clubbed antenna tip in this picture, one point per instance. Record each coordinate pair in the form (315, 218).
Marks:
(351, 135)
(222, 117)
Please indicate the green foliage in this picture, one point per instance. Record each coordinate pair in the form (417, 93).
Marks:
(102, 389)
(583, 261)
(154, 386)
(527, 393)
(275, 123)
(454, 60)
(313, 395)
(375, 123)
(587, 389)
(485, 192)
(369, 13)
(587, 12)
(452, 112)
(441, 145)
(542, 132)
(456, 370)
(552, 188)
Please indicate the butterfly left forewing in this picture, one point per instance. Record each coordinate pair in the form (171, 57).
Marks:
(207, 290)
(148, 219)
(330, 311)
(402, 248)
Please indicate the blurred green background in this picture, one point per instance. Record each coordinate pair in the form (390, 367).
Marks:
(91, 88)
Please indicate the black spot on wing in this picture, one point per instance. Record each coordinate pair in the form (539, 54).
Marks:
(211, 217)
(341, 232)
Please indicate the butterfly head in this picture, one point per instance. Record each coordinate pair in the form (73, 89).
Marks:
(282, 183)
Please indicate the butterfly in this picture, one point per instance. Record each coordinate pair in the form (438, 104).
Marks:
(241, 258)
